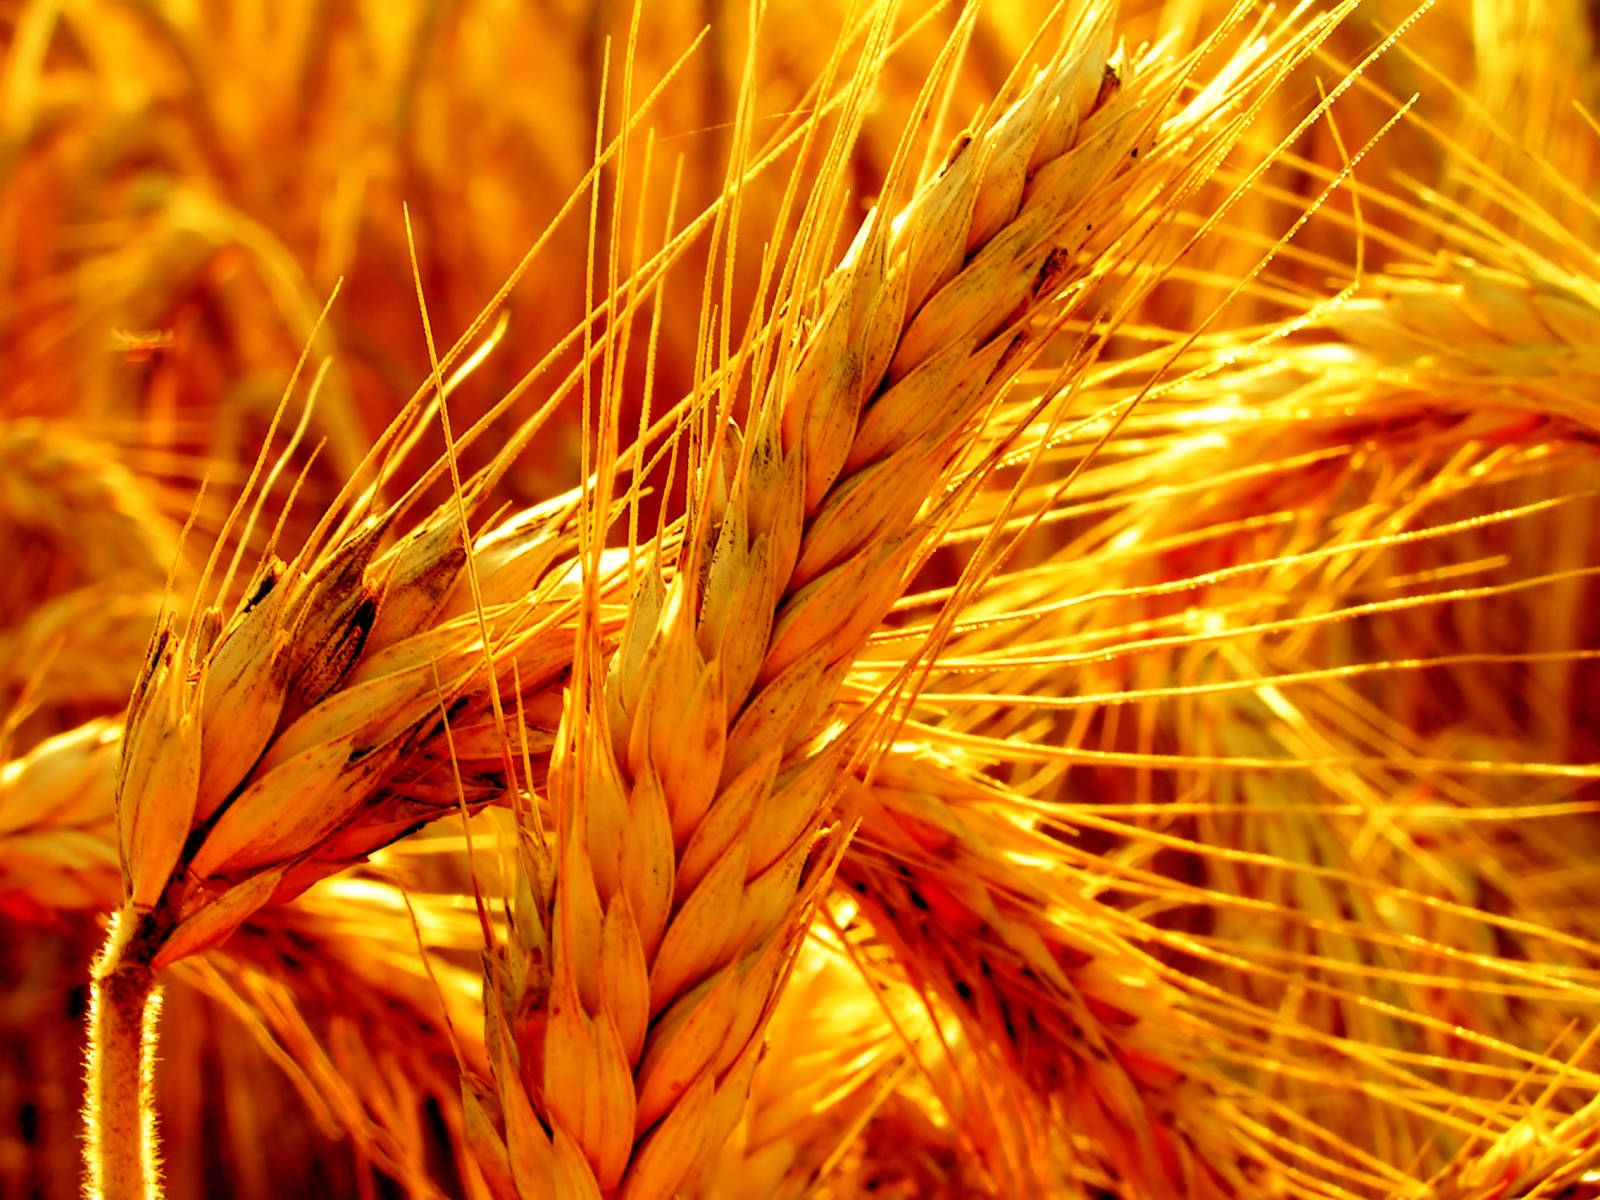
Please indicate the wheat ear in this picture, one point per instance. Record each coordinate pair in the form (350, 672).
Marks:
(653, 934)
(256, 750)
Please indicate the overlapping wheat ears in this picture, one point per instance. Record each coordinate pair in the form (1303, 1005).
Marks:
(1063, 671)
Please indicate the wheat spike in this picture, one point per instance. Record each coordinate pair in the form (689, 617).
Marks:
(305, 717)
(1535, 1157)
(657, 1037)
(291, 785)
(652, 934)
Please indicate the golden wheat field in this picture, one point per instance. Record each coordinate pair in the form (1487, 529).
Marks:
(801, 598)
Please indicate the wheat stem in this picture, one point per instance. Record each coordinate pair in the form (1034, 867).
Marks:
(122, 1157)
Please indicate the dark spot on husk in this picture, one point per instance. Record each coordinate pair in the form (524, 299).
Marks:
(269, 580)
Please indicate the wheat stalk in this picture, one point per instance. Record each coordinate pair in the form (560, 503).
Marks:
(332, 981)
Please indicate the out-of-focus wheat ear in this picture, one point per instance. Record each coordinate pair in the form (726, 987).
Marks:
(58, 850)
(1314, 456)
(843, 1037)
(1525, 333)
(75, 656)
(1536, 1156)
(105, 519)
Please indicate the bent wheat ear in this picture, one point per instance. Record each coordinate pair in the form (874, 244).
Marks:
(331, 979)
(93, 640)
(1524, 337)
(1035, 973)
(76, 491)
(309, 774)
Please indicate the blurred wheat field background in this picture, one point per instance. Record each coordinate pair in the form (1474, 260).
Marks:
(795, 600)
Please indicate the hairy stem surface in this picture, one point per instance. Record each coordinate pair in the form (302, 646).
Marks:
(121, 1156)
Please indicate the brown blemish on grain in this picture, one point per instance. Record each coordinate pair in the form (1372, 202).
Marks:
(957, 148)
(269, 580)
(1051, 272)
